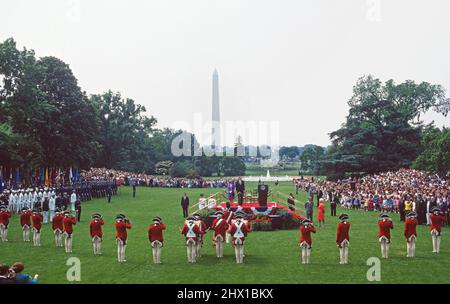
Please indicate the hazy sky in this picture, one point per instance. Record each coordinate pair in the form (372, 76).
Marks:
(289, 61)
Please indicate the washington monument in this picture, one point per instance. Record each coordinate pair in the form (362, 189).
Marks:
(215, 132)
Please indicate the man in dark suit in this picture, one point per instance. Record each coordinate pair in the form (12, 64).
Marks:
(185, 205)
(319, 196)
(240, 189)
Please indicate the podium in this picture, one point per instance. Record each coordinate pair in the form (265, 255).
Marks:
(263, 192)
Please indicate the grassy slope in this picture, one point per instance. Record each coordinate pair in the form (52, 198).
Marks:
(271, 257)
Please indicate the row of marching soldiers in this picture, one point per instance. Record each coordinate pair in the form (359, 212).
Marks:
(62, 226)
(385, 226)
(227, 225)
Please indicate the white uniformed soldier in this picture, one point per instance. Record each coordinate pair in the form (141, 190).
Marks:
(20, 201)
(73, 199)
(52, 205)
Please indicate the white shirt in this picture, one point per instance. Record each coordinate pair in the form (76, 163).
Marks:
(52, 203)
(73, 198)
(202, 203)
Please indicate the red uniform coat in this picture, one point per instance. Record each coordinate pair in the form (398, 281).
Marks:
(202, 227)
(4, 217)
(436, 222)
(155, 232)
(220, 227)
(68, 223)
(37, 221)
(343, 232)
(410, 227)
(228, 216)
(305, 234)
(57, 222)
(195, 229)
(121, 230)
(25, 218)
(384, 228)
(245, 228)
(95, 228)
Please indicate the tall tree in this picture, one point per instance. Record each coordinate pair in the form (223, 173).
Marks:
(383, 128)
(435, 156)
(124, 133)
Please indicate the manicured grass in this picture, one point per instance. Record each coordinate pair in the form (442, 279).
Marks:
(271, 257)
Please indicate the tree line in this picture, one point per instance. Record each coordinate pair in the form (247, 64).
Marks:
(48, 121)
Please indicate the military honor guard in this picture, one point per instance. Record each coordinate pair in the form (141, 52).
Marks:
(52, 205)
(306, 228)
(343, 238)
(122, 224)
(203, 229)
(384, 234)
(155, 236)
(411, 234)
(5, 215)
(191, 232)
(57, 226)
(73, 199)
(220, 227)
(436, 221)
(68, 222)
(239, 231)
(36, 219)
(25, 222)
(95, 229)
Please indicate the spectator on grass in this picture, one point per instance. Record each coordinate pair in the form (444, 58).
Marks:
(22, 278)
(5, 275)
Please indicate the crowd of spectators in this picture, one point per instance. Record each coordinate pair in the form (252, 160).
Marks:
(141, 179)
(394, 191)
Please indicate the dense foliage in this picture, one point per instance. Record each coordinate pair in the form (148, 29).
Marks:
(383, 130)
(46, 120)
(435, 156)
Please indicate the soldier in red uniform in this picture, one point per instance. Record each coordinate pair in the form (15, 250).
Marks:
(411, 234)
(25, 222)
(68, 222)
(203, 229)
(5, 215)
(220, 227)
(306, 228)
(384, 233)
(95, 230)
(436, 219)
(122, 224)
(228, 217)
(239, 231)
(343, 238)
(37, 219)
(155, 236)
(191, 232)
(57, 226)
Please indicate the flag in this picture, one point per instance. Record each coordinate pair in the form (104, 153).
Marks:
(70, 175)
(17, 176)
(47, 182)
(1, 181)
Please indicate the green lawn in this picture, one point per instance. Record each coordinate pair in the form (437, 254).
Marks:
(271, 257)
